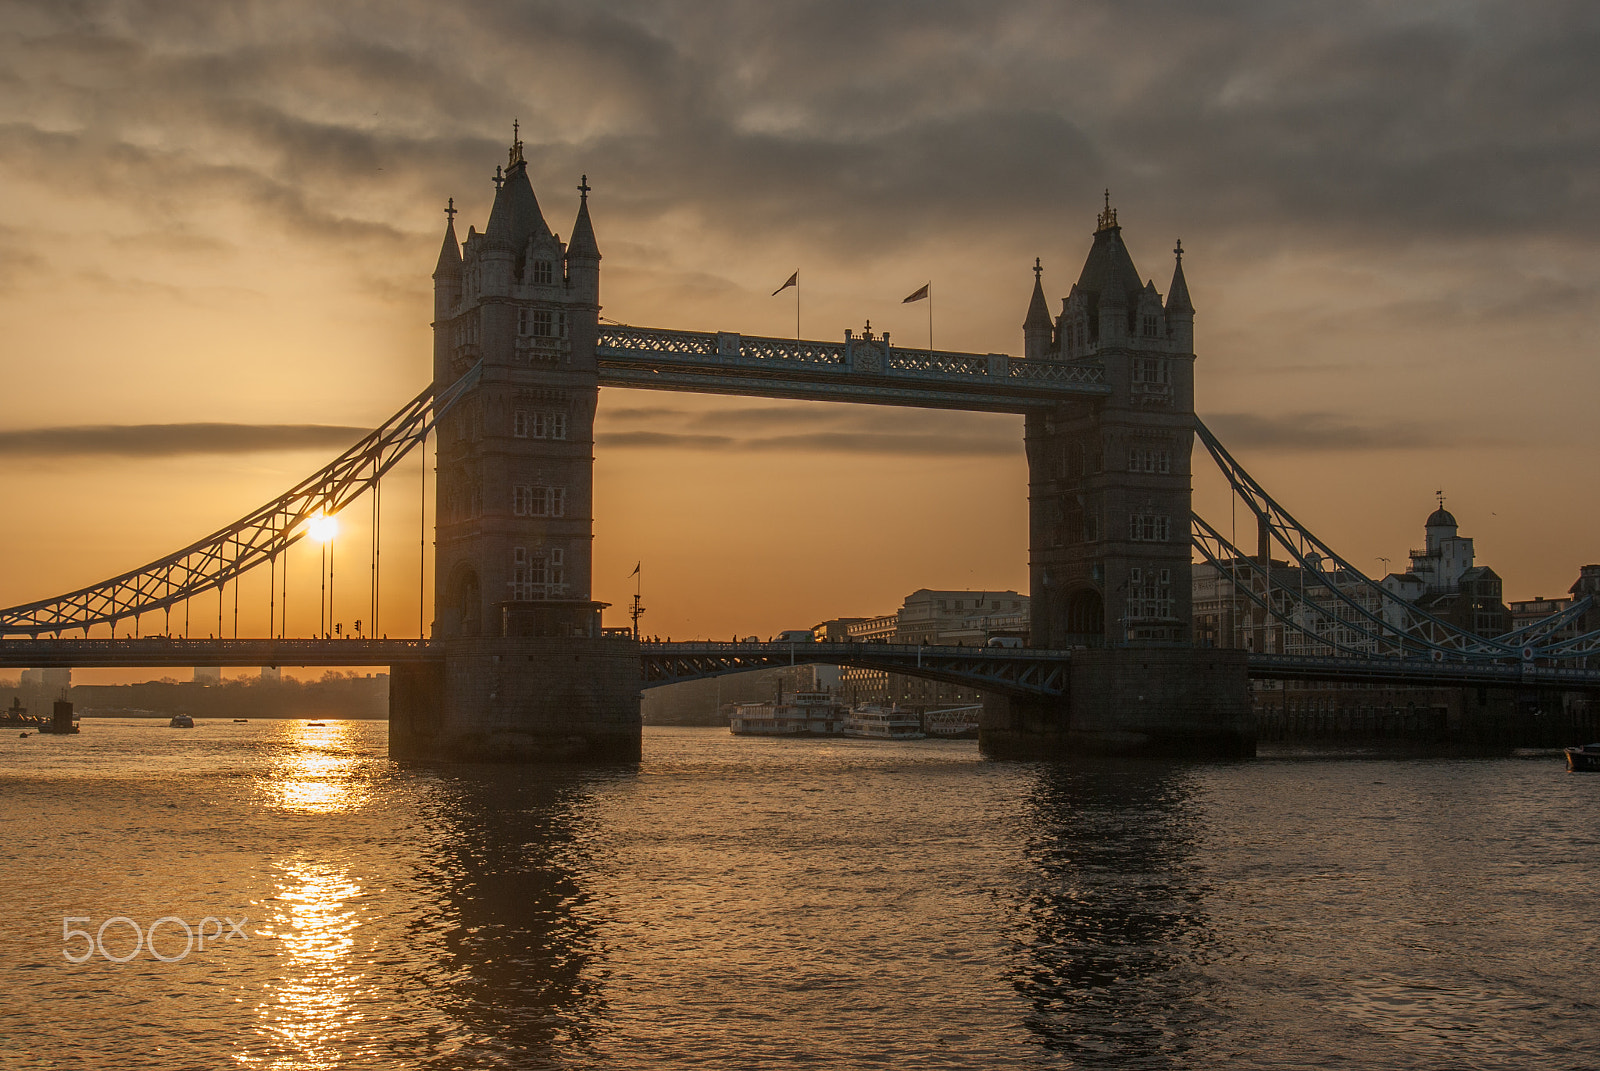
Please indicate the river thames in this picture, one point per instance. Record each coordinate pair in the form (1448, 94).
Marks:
(737, 903)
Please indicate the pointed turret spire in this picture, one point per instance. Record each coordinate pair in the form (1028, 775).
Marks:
(1037, 329)
(515, 216)
(1178, 292)
(1038, 308)
(583, 243)
(1107, 220)
(450, 252)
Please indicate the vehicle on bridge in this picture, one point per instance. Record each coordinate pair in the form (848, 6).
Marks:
(796, 635)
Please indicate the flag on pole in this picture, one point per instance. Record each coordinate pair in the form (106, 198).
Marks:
(635, 570)
(922, 292)
(794, 280)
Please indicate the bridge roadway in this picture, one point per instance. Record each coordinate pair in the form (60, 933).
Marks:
(1007, 671)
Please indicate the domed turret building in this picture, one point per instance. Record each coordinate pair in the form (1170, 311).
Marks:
(1444, 581)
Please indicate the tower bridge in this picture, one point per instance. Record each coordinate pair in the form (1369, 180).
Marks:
(516, 666)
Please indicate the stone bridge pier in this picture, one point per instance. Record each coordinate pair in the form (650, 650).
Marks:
(1168, 701)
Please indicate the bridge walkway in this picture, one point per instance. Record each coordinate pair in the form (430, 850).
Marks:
(1023, 671)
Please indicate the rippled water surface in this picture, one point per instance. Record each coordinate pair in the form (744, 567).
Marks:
(736, 903)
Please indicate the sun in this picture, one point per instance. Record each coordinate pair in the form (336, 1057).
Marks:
(322, 527)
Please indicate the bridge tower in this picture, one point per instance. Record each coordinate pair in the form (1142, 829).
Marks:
(1109, 540)
(1109, 492)
(527, 674)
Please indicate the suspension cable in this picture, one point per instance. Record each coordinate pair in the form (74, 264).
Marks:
(253, 538)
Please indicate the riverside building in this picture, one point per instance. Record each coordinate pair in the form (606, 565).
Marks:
(932, 618)
(1443, 579)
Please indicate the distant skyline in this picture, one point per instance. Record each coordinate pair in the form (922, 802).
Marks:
(219, 221)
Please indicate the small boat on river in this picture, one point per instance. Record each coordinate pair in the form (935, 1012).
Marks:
(62, 723)
(181, 721)
(17, 715)
(1586, 757)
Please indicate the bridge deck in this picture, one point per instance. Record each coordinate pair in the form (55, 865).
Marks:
(855, 370)
(152, 652)
(1010, 671)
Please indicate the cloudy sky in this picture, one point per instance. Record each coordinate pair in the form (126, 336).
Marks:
(218, 221)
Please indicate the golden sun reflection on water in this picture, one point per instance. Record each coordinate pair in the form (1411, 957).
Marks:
(308, 1012)
(314, 777)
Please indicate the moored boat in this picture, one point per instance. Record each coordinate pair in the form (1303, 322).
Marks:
(16, 715)
(805, 714)
(871, 722)
(181, 721)
(62, 722)
(1586, 757)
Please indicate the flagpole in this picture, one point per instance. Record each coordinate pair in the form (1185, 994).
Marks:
(637, 611)
(794, 281)
(930, 319)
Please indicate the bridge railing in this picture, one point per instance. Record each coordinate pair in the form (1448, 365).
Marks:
(1420, 670)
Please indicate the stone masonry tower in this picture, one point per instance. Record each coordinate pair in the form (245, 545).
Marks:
(1109, 492)
(1108, 514)
(528, 673)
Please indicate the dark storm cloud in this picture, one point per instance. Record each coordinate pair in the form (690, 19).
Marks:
(1322, 432)
(166, 440)
(816, 428)
(875, 123)
(822, 442)
(664, 440)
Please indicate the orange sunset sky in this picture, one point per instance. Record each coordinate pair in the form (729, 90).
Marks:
(218, 223)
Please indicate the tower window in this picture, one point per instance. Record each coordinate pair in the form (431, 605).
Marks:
(533, 501)
(537, 574)
(1150, 370)
(1149, 595)
(1151, 326)
(1149, 528)
(1145, 459)
(532, 424)
(538, 322)
(542, 273)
